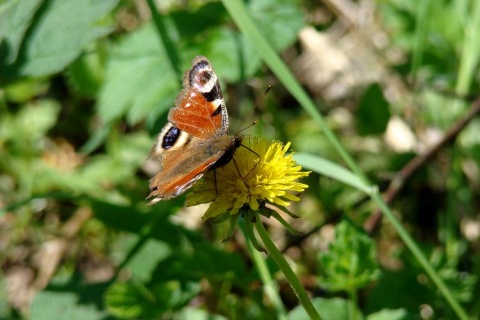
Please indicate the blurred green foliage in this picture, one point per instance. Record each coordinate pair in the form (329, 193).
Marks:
(350, 262)
(86, 85)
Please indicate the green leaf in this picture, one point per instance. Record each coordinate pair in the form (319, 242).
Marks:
(373, 112)
(127, 300)
(329, 309)
(131, 300)
(99, 170)
(279, 20)
(31, 122)
(387, 314)
(189, 313)
(221, 49)
(63, 305)
(350, 263)
(331, 170)
(233, 56)
(146, 259)
(85, 75)
(15, 18)
(38, 118)
(25, 90)
(60, 31)
(138, 79)
(202, 263)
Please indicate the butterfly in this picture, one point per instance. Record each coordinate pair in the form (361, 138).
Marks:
(195, 138)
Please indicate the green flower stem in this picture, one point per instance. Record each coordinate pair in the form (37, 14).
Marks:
(285, 267)
(270, 286)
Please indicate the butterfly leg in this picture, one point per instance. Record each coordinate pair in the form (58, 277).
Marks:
(215, 181)
(256, 164)
(239, 174)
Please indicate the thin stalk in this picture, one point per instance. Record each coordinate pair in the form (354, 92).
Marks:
(470, 50)
(469, 56)
(285, 267)
(270, 287)
(420, 35)
(165, 40)
(403, 234)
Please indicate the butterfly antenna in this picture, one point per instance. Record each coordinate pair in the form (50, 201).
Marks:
(247, 127)
(257, 103)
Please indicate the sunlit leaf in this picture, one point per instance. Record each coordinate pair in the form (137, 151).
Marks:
(58, 36)
(138, 78)
(388, 314)
(328, 309)
(63, 305)
(331, 170)
(15, 18)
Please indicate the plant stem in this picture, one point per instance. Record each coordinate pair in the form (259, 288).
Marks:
(270, 286)
(285, 267)
(422, 260)
(165, 40)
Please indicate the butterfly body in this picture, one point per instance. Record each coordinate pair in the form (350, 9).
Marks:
(195, 139)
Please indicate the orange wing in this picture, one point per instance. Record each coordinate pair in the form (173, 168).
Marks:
(181, 168)
(199, 108)
(196, 135)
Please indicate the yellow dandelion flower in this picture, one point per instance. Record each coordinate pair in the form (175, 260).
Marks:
(261, 172)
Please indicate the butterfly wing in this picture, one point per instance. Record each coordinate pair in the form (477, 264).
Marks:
(195, 136)
(181, 168)
(200, 108)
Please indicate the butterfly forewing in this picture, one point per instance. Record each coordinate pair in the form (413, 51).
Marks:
(196, 135)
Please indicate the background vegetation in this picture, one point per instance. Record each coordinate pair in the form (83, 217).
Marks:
(85, 87)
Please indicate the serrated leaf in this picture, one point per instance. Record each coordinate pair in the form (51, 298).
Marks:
(350, 262)
(59, 33)
(138, 78)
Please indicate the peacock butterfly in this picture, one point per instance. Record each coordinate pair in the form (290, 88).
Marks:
(196, 138)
